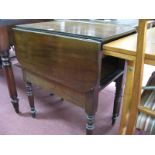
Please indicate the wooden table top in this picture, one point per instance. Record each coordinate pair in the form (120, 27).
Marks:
(127, 46)
(87, 30)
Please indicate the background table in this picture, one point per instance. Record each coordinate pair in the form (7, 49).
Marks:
(5, 43)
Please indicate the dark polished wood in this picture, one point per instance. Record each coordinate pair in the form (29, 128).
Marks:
(67, 59)
(5, 44)
(69, 64)
(118, 98)
(81, 29)
(30, 97)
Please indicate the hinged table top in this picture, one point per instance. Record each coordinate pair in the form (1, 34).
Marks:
(103, 32)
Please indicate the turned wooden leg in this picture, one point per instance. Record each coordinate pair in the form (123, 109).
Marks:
(90, 109)
(30, 98)
(90, 124)
(118, 98)
(7, 67)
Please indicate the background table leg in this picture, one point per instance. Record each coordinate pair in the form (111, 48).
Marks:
(7, 67)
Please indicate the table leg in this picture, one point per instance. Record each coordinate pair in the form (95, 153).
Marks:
(7, 67)
(90, 124)
(90, 109)
(30, 98)
(127, 96)
(118, 98)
